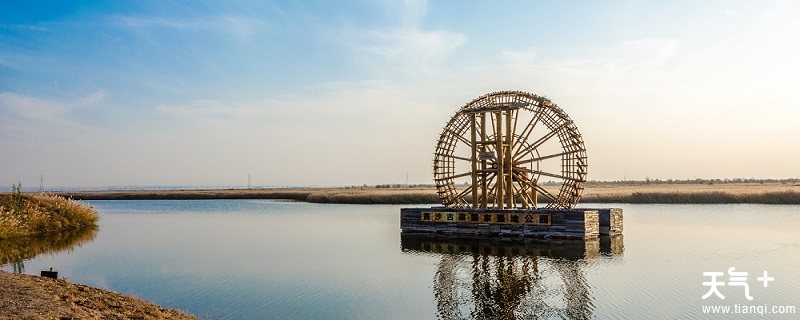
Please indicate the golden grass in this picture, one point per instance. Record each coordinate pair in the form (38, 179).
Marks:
(596, 192)
(42, 213)
(774, 197)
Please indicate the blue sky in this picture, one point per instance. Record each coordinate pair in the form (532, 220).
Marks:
(333, 93)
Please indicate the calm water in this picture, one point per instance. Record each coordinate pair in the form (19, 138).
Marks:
(260, 259)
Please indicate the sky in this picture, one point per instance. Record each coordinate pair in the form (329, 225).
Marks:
(327, 93)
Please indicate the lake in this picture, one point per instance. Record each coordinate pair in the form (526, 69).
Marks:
(267, 259)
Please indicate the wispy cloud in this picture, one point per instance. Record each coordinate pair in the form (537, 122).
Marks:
(408, 47)
(27, 115)
(414, 47)
(242, 27)
(135, 22)
(411, 12)
(24, 27)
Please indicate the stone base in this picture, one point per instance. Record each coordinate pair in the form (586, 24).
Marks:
(537, 223)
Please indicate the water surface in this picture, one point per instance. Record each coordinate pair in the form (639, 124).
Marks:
(257, 259)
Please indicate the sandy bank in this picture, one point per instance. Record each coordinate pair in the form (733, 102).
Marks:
(30, 297)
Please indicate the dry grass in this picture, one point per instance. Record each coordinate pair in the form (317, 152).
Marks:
(775, 197)
(773, 193)
(42, 213)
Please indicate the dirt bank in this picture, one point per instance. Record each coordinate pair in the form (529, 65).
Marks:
(30, 297)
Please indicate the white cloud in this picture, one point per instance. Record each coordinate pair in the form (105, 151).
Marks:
(407, 48)
(412, 47)
(625, 61)
(27, 116)
(694, 99)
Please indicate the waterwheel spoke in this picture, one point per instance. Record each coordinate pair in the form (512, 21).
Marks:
(545, 192)
(520, 178)
(528, 129)
(527, 194)
(452, 156)
(492, 185)
(547, 157)
(547, 174)
(462, 139)
(522, 194)
(540, 141)
(464, 193)
(455, 176)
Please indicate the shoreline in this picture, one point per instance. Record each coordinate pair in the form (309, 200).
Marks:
(641, 193)
(31, 297)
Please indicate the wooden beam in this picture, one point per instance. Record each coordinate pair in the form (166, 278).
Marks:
(485, 195)
(500, 156)
(474, 162)
(508, 161)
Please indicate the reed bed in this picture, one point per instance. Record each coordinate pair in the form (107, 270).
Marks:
(30, 214)
(652, 193)
(776, 197)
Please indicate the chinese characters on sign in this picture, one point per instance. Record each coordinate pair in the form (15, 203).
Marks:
(735, 279)
(496, 218)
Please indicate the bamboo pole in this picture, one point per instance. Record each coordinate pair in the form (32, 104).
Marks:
(485, 194)
(508, 161)
(500, 155)
(474, 164)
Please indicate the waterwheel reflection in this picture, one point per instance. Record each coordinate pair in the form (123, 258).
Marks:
(505, 280)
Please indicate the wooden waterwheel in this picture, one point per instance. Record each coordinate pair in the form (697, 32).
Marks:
(510, 150)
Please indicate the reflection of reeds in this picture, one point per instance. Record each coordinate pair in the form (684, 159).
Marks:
(777, 197)
(42, 213)
(17, 249)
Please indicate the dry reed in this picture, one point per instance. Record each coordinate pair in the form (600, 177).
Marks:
(41, 213)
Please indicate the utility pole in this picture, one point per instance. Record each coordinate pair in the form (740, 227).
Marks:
(249, 185)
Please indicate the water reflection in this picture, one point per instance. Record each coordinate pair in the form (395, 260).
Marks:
(15, 251)
(513, 280)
